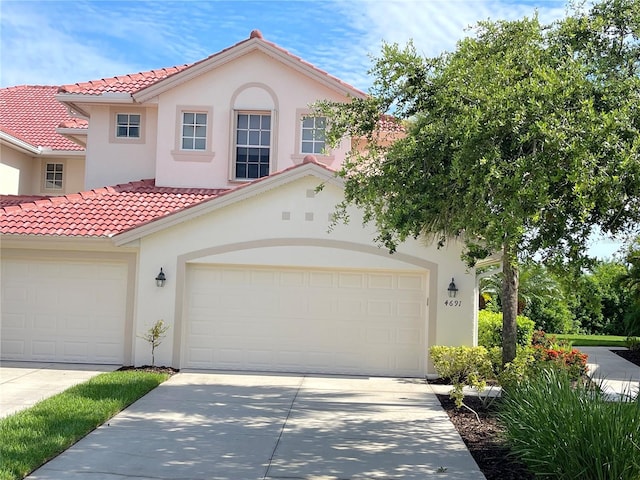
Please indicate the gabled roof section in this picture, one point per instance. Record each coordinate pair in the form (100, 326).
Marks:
(31, 114)
(144, 86)
(102, 212)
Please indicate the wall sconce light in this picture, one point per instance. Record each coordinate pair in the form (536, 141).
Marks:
(453, 290)
(161, 279)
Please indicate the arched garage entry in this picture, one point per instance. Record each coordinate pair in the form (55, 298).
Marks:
(336, 307)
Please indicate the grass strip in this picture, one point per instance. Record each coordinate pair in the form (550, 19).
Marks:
(31, 437)
(592, 340)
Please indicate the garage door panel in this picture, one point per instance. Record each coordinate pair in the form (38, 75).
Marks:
(305, 320)
(63, 311)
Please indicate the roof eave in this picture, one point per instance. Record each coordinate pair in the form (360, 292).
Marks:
(75, 102)
(57, 242)
(19, 144)
(48, 152)
(76, 135)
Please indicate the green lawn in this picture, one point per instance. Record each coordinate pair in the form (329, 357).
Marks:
(30, 438)
(593, 340)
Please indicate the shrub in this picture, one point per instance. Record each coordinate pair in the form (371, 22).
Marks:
(564, 431)
(490, 329)
(633, 343)
(558, 354)
(464, 366)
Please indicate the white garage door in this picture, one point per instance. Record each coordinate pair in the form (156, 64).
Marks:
(63, 311)
(270, 319)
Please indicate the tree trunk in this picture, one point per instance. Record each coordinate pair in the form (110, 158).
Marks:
(509, 304)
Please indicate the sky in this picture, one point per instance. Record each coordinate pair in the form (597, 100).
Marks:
(60, 42)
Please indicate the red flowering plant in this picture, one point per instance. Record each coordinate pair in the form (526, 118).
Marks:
(547, 349)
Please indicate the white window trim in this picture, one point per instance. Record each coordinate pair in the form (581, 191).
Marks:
(45, 163)
(273, 151)
(298, 156)
(113, 120)
(181, 155)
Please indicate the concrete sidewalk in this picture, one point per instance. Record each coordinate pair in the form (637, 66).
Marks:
(209, 425)
(618, 378)
(23, 384)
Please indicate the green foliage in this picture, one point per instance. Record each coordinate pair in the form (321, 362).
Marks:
(631, 282)
(566, 431)
(599, 299)
(540, 297)
(532, 129)
(464, 366)
(154, 336)
(633, 344)
(31, 437)
(490, 329)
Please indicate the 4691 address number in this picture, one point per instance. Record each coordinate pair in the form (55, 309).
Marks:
(453, 303)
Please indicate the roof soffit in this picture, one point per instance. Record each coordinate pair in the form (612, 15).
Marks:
(243, 192)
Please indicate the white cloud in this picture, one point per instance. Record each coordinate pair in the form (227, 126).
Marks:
(35, 51)
(58, 42)
(433, 25)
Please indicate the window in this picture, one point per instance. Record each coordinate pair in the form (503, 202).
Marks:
(312, 135)
(127, 125)
(253, 145)
(53, 176)
(194, 131)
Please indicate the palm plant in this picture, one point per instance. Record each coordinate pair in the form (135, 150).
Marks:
(536, 284)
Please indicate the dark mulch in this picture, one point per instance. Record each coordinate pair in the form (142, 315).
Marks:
(485, 440)
(152, 369)
(632, 356)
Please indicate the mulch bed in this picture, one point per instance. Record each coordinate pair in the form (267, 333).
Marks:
(485, 440)
(152, 369)
(633, 357)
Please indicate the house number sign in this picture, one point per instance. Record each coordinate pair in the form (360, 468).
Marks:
(453, 303)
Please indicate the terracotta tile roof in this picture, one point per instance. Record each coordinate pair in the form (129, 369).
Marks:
(108, 211)
(102, 212)
(389, 123)
(129, 83)
(10, 200)
(74, 123)
(31, 114)
(133, 83)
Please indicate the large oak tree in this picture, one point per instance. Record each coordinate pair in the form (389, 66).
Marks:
(519, 142)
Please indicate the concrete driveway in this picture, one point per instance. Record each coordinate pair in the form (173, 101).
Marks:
(249, 426)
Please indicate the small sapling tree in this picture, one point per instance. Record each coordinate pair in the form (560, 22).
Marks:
(154, 336)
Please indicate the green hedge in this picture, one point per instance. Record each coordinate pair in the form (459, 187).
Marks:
(490, 329)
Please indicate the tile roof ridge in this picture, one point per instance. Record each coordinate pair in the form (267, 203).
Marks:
(25, 86)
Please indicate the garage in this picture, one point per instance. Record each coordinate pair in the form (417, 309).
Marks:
(306, 320)
(63, 311)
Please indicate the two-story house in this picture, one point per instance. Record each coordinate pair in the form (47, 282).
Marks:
(199, 206)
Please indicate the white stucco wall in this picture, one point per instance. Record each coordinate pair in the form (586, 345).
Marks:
(252, 82)
(253, 232)
(111, 163)
(16, 172)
